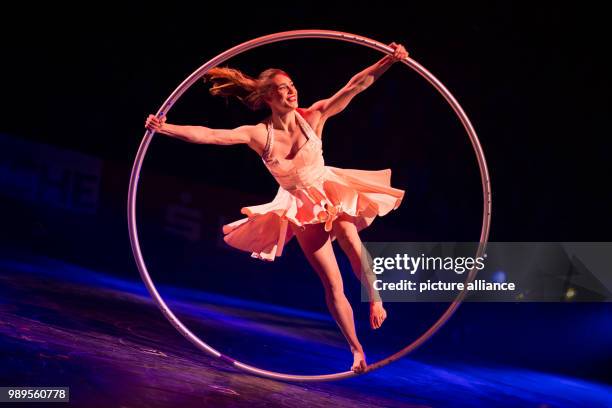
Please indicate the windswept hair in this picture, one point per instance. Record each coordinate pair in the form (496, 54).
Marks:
(227, 82)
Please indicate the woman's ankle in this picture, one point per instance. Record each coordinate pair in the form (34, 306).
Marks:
(358, 349)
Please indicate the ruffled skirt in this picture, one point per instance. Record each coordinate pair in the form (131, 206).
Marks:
(362, 194)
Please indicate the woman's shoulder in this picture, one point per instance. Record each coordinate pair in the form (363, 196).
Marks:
(313, 117)
(259, 136)
(308, 113)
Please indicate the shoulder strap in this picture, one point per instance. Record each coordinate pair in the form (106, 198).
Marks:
(269, 141)
(305, 126)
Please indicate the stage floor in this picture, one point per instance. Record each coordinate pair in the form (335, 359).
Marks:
(62, 325)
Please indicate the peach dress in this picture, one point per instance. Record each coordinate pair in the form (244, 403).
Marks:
(309, 193)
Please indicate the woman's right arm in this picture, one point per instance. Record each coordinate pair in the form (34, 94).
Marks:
(200, 134)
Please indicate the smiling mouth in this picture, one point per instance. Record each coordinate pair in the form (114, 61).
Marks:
(292, 98)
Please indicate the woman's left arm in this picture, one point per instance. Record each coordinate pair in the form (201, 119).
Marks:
(358, 83)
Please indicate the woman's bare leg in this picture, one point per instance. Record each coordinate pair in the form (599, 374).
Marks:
(348, 238)
(317, 247)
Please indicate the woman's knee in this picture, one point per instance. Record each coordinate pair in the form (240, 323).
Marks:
(348, 238)
(335, 293)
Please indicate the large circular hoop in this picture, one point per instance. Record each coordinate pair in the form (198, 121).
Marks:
(257, 42)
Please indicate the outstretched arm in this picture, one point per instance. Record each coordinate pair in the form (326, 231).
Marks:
(358, 83)
(200, 134)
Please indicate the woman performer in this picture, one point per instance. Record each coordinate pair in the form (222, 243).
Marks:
(318, 203)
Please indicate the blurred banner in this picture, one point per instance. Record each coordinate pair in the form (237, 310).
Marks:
(72, 205)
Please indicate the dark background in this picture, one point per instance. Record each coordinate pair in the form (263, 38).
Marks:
(532, 79)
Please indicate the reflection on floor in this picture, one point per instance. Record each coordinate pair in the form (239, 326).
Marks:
(62, 325)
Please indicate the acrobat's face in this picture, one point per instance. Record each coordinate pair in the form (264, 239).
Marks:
(283, 95)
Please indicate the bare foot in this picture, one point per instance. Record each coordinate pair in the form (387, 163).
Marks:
(378, 314)
(359, 362)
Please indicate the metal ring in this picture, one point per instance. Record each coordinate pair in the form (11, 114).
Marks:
(257, 42)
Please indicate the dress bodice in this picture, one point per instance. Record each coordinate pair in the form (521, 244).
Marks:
(307, 165)
(309, 193)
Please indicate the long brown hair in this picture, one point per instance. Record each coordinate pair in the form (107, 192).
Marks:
(227, 82)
